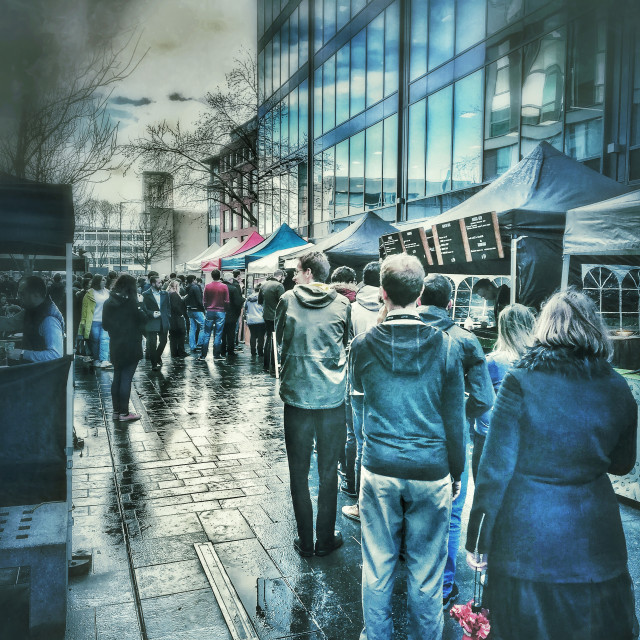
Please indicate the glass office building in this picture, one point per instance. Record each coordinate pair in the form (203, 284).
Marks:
(408, 107)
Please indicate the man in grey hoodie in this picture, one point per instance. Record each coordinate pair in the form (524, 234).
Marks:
(413, 456)
(312, 328)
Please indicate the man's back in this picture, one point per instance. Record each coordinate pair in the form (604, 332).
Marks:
(216, 296)
(269, 296)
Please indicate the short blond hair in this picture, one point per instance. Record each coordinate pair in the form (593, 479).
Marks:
(570, 319)
(515, 330)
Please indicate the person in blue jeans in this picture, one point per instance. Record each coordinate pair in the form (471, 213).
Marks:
(195, 311)
(216, 301)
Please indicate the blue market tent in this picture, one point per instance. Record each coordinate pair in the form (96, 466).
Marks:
(282, 238)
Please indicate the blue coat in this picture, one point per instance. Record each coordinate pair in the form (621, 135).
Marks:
(544, 508)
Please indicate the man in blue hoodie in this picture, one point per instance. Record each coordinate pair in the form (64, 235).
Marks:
(414, 452)
(312, 328)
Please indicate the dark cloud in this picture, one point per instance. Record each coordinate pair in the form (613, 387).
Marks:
(178, 97)
(136, 103)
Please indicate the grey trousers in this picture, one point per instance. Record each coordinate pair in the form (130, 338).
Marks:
(424, 507)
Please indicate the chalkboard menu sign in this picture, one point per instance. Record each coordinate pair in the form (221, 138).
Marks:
(391, 244)
(483, 237)
(415, 244)
(449, 242)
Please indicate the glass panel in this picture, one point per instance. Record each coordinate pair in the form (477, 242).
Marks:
(342, 84)
(603, 287)
(276, 61)
(630, 303)
(268, 14)
(418, 60)
(470, 16)
(635, 106)
(261, 79)
(585, 77)
(467, 132)
(284, 52)
(342, 179)
(293, 43)
(391, 43)
(441, 32)
(417, 137)
(293, 120)
(276, 133)
(329, 20)
(293, 198)
(390, 160)
(268, 69)
(260, 18)
(303, 33)
(303, 113)
(356, 173)
(329, 94)
(317, 187)
(373, 167)
(268, 139)
(284, 127)
(375, 59)
(343, 13)
(358, 64)
(317, 29)
(317, 103)
(543, 91)
(439, 141)
(503, 12)
(328, 181)
(357, 6)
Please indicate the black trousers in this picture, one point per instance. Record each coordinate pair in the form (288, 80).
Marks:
(300, 428)
(256, 339)
(269, 328)
(176, 342)
(156, 342)
(229, 334)
(121, 386)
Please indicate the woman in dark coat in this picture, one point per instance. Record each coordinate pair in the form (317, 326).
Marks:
(544, 510)
(178, 322)
(123, 318)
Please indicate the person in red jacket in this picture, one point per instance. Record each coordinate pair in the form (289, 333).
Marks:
(216, 300)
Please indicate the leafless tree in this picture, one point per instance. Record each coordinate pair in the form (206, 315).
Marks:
(98, 217)
(153, 236)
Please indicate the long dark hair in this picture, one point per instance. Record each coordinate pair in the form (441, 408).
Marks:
(126, 286)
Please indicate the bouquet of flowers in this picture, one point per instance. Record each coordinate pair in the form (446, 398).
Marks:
(474, 623)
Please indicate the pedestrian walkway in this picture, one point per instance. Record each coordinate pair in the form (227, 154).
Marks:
(207, 464)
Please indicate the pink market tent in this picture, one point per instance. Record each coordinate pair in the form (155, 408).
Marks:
(215, 261)
(224, 250)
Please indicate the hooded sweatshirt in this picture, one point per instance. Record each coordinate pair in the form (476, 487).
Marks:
(124, 320)
(253, 311)
(364, 311)
(413, 384)
(312, 329)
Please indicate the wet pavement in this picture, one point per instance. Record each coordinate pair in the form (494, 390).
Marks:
(207, 464)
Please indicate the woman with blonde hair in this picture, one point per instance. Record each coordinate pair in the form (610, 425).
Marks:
(515, 336)
(544, 512)
(178, 321)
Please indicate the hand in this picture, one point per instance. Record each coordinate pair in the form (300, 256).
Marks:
(156, 314)
(477, 560)
(455, 489)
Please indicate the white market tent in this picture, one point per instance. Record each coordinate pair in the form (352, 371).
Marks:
(195, 263)
(225, 250)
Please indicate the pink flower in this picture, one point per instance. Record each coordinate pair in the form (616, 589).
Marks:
(475, 625)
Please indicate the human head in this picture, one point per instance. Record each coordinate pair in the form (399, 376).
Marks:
(181, 278)
(313, 266)
(141, 281)
(401, 278)
(173, 276)
(485, 289)
(125, 286)
(236, 273)
(215, 274)
(515, 330)
(279, 275)
(371, 274)
(57, 277)
(190, 279)
(98, 282)
(344, 274)
(112, 276)
(174, 285)
(151, 274)
(32, 291)
(86, 282)
(155, 282)
(437, 291)
(570, 319)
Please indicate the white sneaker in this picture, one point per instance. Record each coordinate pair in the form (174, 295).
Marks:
(105, 364)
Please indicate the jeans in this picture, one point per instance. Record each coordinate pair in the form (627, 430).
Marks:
(196, 325)
(423, 507)
(300, 427)
(454, 535)
(357, 413)
(121, 386)
(213, 318)
(269, 328)
(256, 339)
(156, 342)
(95, 341)
(105, 342)
(350, 449)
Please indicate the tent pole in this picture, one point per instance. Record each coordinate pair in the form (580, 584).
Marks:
(514, 262)
(564, 282)
(69, 417)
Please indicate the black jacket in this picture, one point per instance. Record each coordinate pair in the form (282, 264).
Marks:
(193, 299)
(150, 305)
(236, 300)
(178, 313)
(124, 320)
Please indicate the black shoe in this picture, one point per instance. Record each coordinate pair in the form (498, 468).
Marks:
(348, 490)
(452, 597)
(300, 550)
(335, 544)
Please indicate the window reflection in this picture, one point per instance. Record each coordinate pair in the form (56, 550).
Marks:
(500, 13)
(391, 40)
(303, 205)
(373, 167)
(418, 51)
(439, 141)
(303, 112)
(293, 42)
(375, 60)
(630, 304)
(358, 65)
(470, 15)
(293, 198)
(317, 25)
(585, 79)
(467, 132)
(543, 91)
(268, 69)
(329, 20)
(356, 173)
(416, 139)
(293, 120)
(502, 114)
(343, 13)
(303, 31)
(342, 179)
(635, 107)
(284, 53)
(441, 32)
(317, 186)
(357, 6)
(603, 287)
(284, 128)
(328, 182)
(342, 84)
(276, 61)
(390, 160)
(317, 102)
(329, 94)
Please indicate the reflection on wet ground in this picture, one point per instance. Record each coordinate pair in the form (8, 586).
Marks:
(206, 463)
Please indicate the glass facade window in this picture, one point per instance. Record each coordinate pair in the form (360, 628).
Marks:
(317, 25)
(357, 6)
(417, 140)
(284, 52)
(276, 62)
(293, 42)
(328, 180)
(391, 48)
(390, 160)
(467, 132)
(303, 113)
(293, 198)
(317, 187)
(418, 45)
(268, 69)
(375, 60)
(356, 173)
(439, 138)
(329, 94)
(635, 104)
(373, 167)
(342, 179)
(501, 13)
(358, 69)
(343, 7)
(303, 199)
(543, 91)
(329, 20)
(284, 128)
(441, 32)
(342, 84)
(303, 33)
(317, 102)
(470, 23)
(293, 120)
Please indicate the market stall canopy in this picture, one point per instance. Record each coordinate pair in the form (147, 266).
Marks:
(611, 227)
(282, 238)
(354, 246)
(252, 241)
(270, 263)
(195, 263)
(213, 261)
(35, 218)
